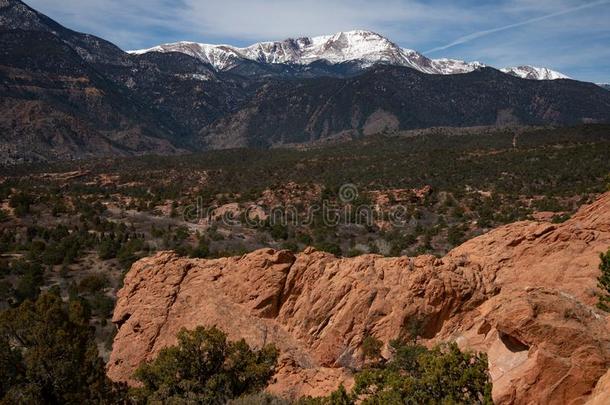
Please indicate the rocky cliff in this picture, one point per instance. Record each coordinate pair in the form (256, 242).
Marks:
(523, 293)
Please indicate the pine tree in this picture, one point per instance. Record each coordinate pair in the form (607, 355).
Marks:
(48, 355)
(603, 281)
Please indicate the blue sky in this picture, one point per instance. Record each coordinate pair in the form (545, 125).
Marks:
(571, 36)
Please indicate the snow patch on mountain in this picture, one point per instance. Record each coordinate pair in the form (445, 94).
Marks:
(453, 66)
(221, 57)
(534, 73)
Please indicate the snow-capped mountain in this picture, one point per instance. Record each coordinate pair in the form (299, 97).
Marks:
(534, 73)
(364, 47)
(604, 85)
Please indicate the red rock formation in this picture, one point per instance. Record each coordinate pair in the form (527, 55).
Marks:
(523, 293)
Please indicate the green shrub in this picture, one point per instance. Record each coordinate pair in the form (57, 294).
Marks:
(290, 245)
(21, 203)
(93, 283)
(416, 375)
(206, 368)
(260, 398)
(455, 236)
(202, 250)
(101, 305)
(371, 348)
(128, 253)
(329, 247)
(108, 249)
(339, 397)
(28, 285)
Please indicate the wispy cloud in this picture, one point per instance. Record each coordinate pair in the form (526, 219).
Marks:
(247, 21)
(471, 37)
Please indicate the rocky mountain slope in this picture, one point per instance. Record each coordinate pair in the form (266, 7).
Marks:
(388, 98)
(56, 100)
(67, 95)
(54, 105)
(524, 293)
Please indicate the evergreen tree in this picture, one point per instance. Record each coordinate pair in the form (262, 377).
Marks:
(604, 281)
(371, 348)
(48, 355)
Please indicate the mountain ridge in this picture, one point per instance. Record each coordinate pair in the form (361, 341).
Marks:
(365, 47)
(69, 95)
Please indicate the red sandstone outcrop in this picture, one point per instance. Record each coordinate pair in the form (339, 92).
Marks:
(523, 293)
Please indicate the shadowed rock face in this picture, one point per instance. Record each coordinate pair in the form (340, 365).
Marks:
(523, 293)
